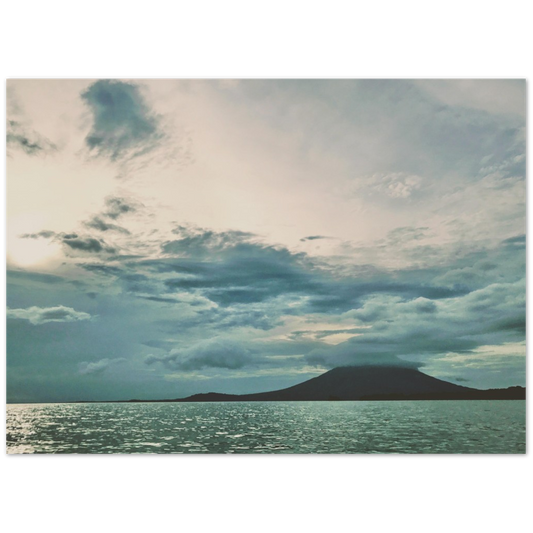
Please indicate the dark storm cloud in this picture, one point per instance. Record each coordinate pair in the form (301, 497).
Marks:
(384, 343)
(123, 124)
(231, 268)
(216, 283)
(340, 296)
(101, 225)
(412, 316)
(22, 138)
(87, 244)
(243, 273)
(490, 316)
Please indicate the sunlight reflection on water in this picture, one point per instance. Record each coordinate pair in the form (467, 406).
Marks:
(269, 427)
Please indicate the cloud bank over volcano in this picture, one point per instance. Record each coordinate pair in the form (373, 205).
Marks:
(319, 224)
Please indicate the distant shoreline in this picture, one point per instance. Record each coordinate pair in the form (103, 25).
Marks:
(186, 400)
(369, 383)
(509, 394)
(293, 401)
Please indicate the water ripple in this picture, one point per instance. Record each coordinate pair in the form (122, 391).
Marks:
(269, 427)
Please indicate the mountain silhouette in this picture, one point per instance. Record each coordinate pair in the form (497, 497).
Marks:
(367, 383)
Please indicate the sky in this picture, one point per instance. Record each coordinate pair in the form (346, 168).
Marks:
(171, 237)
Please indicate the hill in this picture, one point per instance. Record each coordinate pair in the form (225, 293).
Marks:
(368, 383)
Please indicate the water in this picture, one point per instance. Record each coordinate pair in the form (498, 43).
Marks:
(269, 427)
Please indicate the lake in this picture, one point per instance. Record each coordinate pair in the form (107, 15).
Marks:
(435, 427)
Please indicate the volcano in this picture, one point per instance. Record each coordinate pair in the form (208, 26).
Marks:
(368, 383)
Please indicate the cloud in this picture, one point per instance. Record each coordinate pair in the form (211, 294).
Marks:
(338, 296)
(80, 244)
(401, 143)
(212, 353)
(406, 234)
(45, 234)
(198, 242)
(42, 315)
(74, 241)
(98, 367)
(336, 357)
(420, 329)
(107, 270)
(395, 185)
(123, 124)
(313, 238)
(235, 273)
(210, 283)
(230, 282)
(117, 206)
(87, 244)
(29, 141)
(325, 333)
(408, 268)
(231, 269)
(99, 224)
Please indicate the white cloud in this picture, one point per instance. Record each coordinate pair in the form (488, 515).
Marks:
(398, 185)
(42, 315)
(212, 353)
(98, 367)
